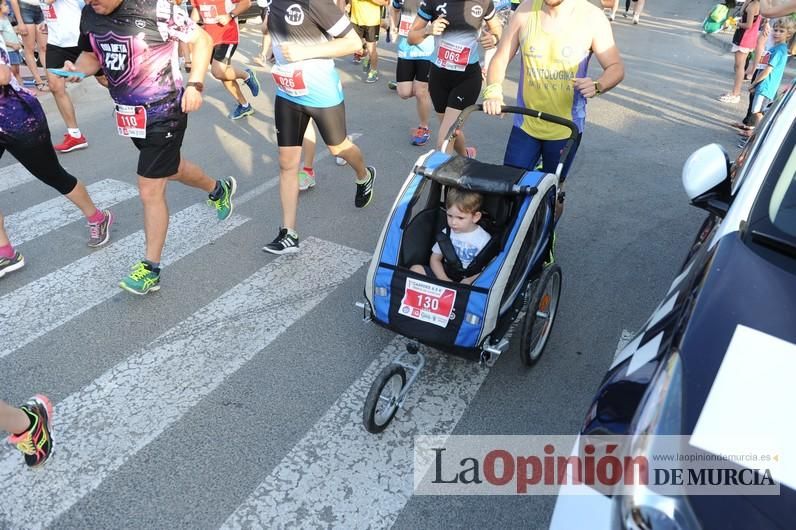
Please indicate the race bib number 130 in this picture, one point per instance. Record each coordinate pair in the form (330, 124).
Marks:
(428, 302)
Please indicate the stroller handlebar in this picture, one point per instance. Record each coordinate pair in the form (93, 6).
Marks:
(508, 109)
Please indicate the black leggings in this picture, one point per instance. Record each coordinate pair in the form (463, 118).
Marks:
(40, 159)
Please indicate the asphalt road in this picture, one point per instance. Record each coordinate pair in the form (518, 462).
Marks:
(233, 396)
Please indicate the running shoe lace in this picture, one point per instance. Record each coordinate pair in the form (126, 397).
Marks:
(140, 272)
(94, 230)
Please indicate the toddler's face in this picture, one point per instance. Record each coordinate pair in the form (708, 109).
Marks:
(460, 221)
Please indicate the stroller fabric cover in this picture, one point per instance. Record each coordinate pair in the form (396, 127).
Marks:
(449, 315)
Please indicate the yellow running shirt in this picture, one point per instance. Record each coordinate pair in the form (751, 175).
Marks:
(550, 62)
(365, 13)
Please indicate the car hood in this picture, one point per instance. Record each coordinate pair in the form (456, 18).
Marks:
(738, 287)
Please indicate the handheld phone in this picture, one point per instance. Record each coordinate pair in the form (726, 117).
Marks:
(65, 73)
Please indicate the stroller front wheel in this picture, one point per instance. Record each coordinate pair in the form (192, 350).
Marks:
(383, 399)
(540, 315)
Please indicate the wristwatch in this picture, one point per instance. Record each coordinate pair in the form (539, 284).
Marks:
(232, 15)
(597, 88)
(198, 85)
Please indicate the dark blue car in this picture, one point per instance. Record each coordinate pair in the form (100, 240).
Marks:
(718, 356)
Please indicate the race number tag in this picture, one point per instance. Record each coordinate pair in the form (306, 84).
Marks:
(290, 80)
(131, 121)
(48, 10)
(428, 302)
(209, 13)
(405, 25)
(452, 56)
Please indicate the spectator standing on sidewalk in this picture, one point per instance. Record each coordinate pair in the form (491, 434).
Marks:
(743, 42)
(63, 31)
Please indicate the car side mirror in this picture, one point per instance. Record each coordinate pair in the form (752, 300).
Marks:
(706, 179)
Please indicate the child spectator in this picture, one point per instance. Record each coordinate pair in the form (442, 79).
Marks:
(12, 41)
(768, 81)
(467, 237)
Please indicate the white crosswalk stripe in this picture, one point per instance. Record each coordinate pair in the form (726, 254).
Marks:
(180, 367)
(53, 214)
(21, 317)
(339, 472)
(14, 175)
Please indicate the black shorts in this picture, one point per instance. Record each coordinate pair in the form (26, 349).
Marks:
(455, 90)
(412, 70)
(369, 33)
(291, 121)
(223, 52)
(57, 56)
(159, 152)
(31, 14)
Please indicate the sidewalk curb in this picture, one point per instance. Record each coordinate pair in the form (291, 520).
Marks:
(720, 40)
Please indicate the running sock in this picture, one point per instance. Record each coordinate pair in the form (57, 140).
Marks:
(292, 233)
(154, 266)
(217, 192)
(74, 133)
(97, 218)
(7, 251)
(364, 179)
(309, 171)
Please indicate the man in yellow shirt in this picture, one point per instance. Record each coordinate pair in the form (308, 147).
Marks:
(556, 39)
(366, 17)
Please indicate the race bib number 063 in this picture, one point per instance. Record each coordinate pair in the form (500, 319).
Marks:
(428, 302)
(453, 56)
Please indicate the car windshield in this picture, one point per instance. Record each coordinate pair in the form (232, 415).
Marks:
(782, 205)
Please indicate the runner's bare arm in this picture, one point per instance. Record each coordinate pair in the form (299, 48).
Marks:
(490, 38)
(506, 50)
(607, 54)
(21, 28)
(195, 16)
(422, 29)
(338, 47)
(240, 7)
(777, 8)
(201, 53)
(87, 63)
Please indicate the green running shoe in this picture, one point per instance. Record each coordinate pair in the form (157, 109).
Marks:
(142, 280)
(223, 204)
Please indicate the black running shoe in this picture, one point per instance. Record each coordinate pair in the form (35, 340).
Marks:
(283, 244)
(365, 191)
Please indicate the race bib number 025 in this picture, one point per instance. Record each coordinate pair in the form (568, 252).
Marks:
(428, 302)
(131, 121)
(453, 56)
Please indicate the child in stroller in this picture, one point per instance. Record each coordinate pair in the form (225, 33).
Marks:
(458, 246)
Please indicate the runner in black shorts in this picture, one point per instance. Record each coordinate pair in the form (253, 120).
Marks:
(306, 35)
(411, 72)
(455, 77)
(219, 20)
(24, 133)
(63, 32)
(151, 107)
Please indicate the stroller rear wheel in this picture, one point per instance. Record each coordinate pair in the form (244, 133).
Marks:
(541, 313)
(383, 399)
